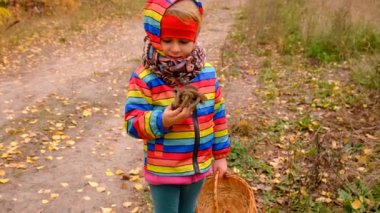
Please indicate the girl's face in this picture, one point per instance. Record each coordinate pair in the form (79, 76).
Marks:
(177, 48)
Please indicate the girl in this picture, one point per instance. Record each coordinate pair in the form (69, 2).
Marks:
(181, 146)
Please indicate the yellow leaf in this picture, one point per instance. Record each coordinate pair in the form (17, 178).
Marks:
(24, 135)
(138, 187)
(45, 201)
(49, 157)
(33, 121)
(64, 185)
(80, 190)
(59, 125)
(119, 172)
(109, 173)
(54, 195)
(88, 176)
(134, 178)
(371, 137)
(14, 143)
(134, 172)
(86, 198)
(2, 172)
(59, 158)
(56, 137)
(40, 167)
(356, 204)
(135, 210)
(363, 159)
(127, 204)
(4, 180)
(17, 165)
(106, 210)
(86, 112)
(100, 189)
(368, 151)
(70, 143)
(93, 184)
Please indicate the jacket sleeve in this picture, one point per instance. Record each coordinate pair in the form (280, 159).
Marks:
(140, 120)
(221, 146)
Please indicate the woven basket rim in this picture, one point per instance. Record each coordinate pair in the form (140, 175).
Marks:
(207, 198)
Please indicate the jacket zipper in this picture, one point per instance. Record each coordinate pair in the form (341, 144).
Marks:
(196, 142)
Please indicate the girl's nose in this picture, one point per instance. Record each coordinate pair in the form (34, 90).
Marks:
(176, 48)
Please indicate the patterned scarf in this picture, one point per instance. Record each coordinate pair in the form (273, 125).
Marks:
(174, 72)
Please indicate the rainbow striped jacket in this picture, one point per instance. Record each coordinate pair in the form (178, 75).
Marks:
(189, 147)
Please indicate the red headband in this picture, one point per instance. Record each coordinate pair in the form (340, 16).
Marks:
(173, 27)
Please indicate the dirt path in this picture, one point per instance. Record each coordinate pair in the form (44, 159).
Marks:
(61, 118)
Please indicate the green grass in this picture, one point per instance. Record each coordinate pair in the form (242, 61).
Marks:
(367, 73)
(300, 27)
(315, 109)
(60, 21)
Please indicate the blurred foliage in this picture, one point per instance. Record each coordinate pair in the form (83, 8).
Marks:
(318, 31)
(4, 13)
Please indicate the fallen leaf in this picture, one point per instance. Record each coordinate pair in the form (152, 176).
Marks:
(135, 210)
(356, 204)
(86, 112)
(109, 173)
(33, 121)
(44, 191)
(88, 176)
(4, 180)
(134, 178)
(100, 189)
(64, 185)
(2, 172)
(70, 143)
(93, 184)
(368, 151)
(134, 172)
(17, 165)
(56, 137)
(127, 204)
(40, 167)
(371, 137)
(138, 187)
(86, 198)
(45, 201)
(119, 172)
(54, 195)
(106, 210)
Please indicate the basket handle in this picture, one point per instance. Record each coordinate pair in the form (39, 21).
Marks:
(216, 177)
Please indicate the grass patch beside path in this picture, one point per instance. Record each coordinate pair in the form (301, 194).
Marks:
(44, 21)
(321, 30)
(311, 140)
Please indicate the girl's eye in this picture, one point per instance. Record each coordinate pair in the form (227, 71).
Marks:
(167, 41)
(184, 41)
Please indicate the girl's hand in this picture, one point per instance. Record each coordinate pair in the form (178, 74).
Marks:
(221, 165)
(173, 116)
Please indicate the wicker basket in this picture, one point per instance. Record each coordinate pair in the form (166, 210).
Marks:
(230, 194)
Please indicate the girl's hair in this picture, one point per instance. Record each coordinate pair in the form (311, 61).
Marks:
(185, 10)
